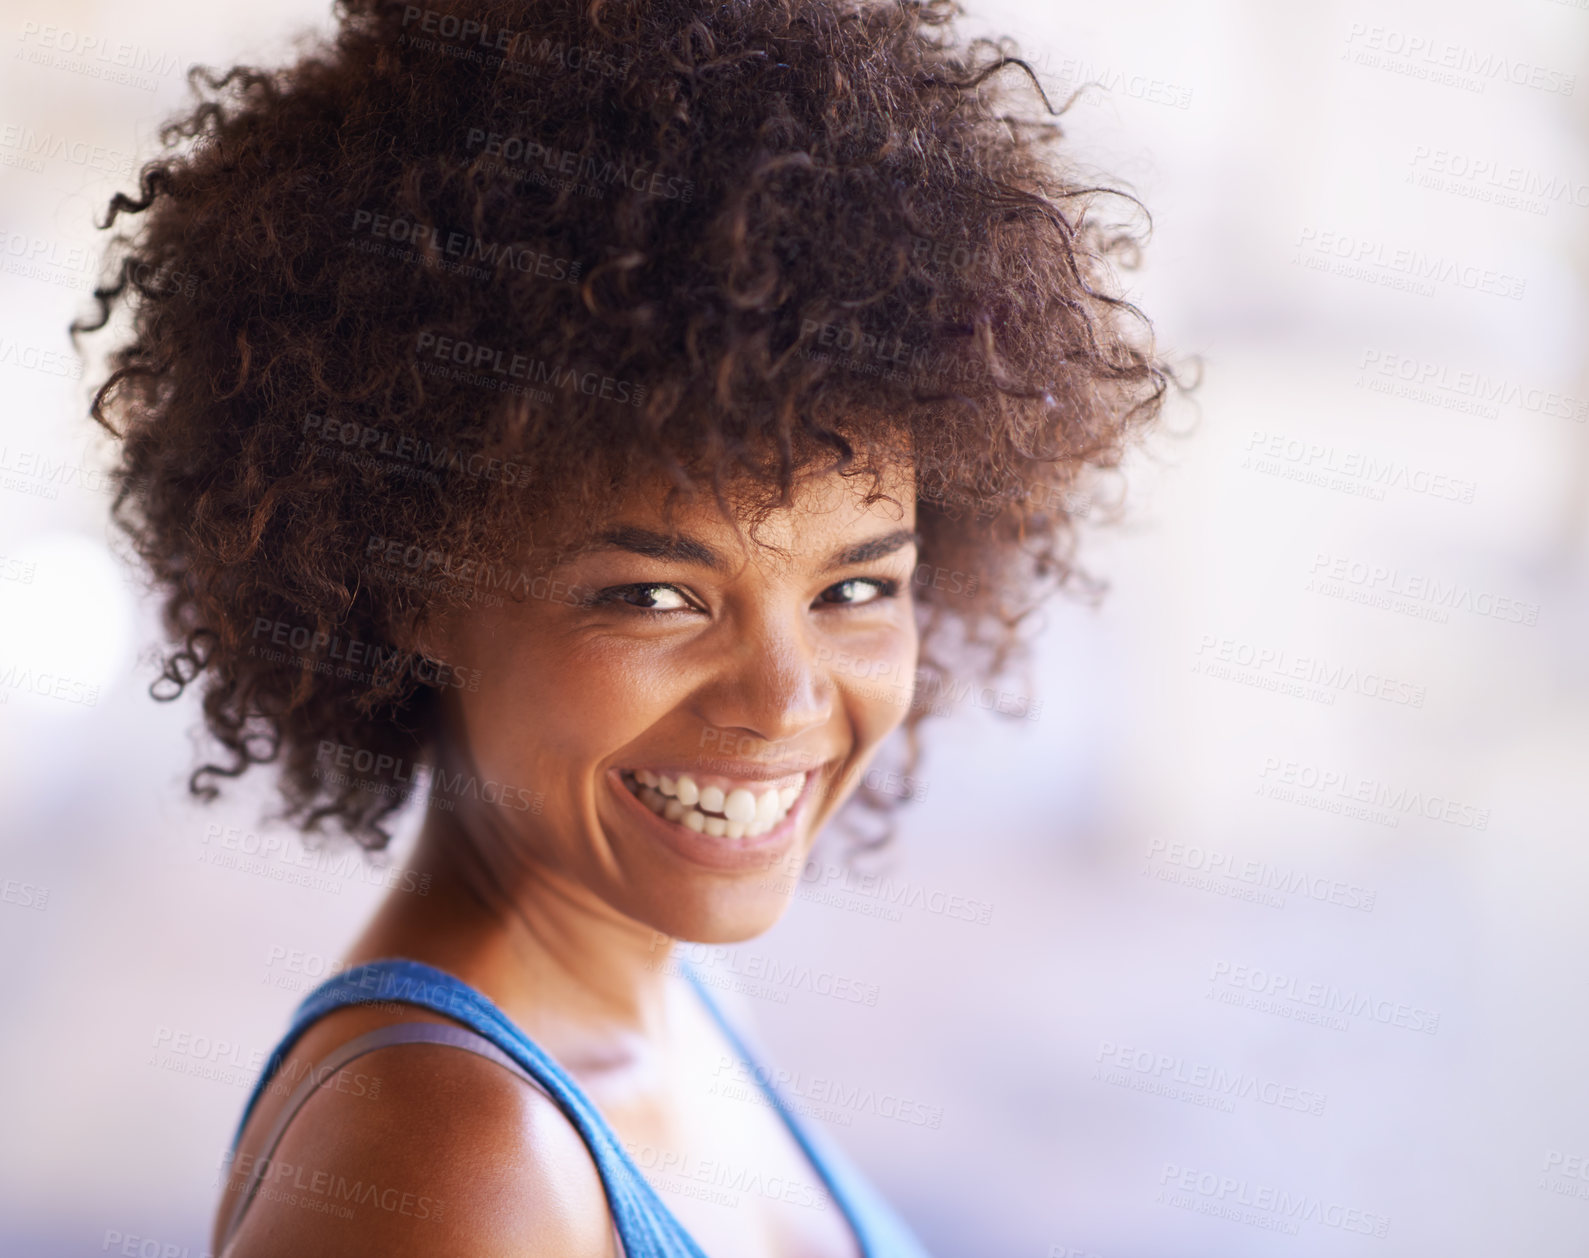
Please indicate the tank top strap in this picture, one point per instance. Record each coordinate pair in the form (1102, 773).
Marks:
(329, 1066)
(882, 1233)
(645, 1226)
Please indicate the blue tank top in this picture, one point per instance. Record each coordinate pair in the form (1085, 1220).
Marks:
(644, 1224)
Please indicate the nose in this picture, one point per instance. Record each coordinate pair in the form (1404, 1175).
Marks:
(771, 685)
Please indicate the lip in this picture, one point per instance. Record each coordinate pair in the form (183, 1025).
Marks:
(721, 855)
(754, 771)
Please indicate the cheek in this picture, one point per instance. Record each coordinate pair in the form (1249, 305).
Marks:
(878, 684)
(557, 706)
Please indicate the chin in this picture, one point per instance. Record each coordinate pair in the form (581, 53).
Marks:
(715, 908)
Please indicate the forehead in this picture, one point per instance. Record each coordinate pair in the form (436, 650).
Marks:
(826, 510)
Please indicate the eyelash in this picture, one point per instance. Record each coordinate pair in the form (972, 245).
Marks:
(612, 595)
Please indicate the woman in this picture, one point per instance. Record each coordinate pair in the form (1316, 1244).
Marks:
(602, 424)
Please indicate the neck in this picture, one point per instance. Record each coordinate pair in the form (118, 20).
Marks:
(569, 969)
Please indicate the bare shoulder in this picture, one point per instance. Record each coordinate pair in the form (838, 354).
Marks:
(416, 1149)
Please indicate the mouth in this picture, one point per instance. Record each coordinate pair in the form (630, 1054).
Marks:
(718, 807)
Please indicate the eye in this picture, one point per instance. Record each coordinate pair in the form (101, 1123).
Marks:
(858, 591)
(650, 597)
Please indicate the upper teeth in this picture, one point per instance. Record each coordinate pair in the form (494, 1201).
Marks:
(740, 813)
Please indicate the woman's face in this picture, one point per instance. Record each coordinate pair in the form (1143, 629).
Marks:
(688, 704)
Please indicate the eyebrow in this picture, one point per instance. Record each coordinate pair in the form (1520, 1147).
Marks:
(659, 546)
(865, 552)
(681, 549)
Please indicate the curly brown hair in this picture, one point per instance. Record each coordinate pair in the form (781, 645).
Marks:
(442, 284)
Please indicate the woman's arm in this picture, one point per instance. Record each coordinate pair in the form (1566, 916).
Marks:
(453, 1155)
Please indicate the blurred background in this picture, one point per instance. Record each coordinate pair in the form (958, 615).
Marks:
(1277, 937)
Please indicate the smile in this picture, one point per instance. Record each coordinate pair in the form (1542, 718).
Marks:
(718, 807)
